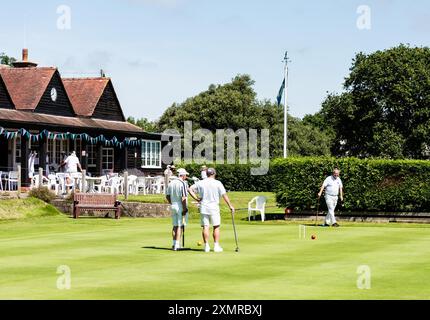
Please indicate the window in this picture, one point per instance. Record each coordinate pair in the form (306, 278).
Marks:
(107, 159)
(151, 154)
(56, 150)
(17, 151)
(92, 156)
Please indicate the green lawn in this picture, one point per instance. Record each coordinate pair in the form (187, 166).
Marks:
(112, 259)
(239, 199)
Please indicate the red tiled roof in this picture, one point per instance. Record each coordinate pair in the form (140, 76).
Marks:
(65, 123)
(85, 93)
(26, 85)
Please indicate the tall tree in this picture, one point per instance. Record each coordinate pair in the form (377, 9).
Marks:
(144, 123)
(234, 106)
(385, 109)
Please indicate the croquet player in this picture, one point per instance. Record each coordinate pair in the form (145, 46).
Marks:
(333, 188)
(176, 195)
(210, 191)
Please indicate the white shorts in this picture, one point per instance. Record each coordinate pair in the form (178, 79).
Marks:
(178, 220)
(210, 219)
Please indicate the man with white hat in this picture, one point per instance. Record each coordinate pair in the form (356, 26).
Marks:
(210, 191)
(176, 195)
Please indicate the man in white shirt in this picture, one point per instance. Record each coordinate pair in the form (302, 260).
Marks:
(72, 163)
(176, 195)
(210, 191)
(333, 189)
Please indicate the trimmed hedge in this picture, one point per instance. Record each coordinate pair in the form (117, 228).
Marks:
(235, 177)
(369, 185)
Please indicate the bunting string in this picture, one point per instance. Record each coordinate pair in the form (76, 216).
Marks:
(114, 142)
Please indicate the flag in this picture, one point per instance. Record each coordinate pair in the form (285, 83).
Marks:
(281, 92)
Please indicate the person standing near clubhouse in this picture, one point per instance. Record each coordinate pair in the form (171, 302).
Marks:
(333, 189)
(204, 173)
(176, 195)
(210, 191)
(168, 173)
(72, 163)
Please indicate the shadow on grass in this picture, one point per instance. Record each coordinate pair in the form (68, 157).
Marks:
(170, 249)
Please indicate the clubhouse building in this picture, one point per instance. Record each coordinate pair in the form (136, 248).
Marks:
(44, 113)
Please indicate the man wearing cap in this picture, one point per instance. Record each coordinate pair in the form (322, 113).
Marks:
(333, 189)
(176, 195)
(210, 191)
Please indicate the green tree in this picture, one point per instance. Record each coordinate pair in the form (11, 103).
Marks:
(6, 60)
(234, 105)
(385, 109)
(143, 123)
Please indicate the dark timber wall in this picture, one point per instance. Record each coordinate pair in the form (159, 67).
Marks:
(62, 106)
(5, 100)
(108, 107)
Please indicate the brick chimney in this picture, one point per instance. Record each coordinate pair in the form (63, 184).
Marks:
(24, 63)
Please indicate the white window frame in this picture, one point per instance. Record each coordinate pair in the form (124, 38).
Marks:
(108, 162)
(153, 160)
(63, 146)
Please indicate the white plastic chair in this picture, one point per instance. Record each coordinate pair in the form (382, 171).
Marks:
(101, 186)
(157, 186)
(140, 186)
(35, 182)
(114, 185)
(61, 179)
(53, 183)
(132, 184)
(12, 180)
(260, 206)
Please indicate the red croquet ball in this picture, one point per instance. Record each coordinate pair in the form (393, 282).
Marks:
(314, 237)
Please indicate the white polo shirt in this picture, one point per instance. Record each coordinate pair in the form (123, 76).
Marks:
(176, 190)
(72, 164)
(332, 186)
(210, 191)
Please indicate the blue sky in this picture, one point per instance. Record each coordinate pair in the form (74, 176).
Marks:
(162, 51)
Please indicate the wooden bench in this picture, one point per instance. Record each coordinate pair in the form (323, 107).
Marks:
(96, 202)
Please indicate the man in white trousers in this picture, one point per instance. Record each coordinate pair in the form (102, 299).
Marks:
(176, 195)
(333, 188)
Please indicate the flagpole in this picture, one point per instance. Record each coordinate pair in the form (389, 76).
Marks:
(286, 107)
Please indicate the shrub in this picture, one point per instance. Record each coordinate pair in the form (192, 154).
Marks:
(369, 185)
(235, 177)
(43, 194)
